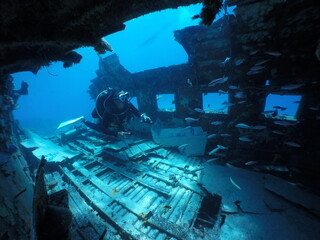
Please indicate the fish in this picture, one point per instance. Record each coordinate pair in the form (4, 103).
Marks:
(239, 61)
(262, 62)
(250, 163)
(240, 102)
(222, 92)
(257, 68)
(268, 112)
(259, 127)
(279, 107)
(236, 185)
(273, 53)
(190, 119)
(218, 81)
(213, 151)
(292, 86)
(253, 52)
(226, 61)
(249, 73)
(284, 123)
(232, 87)
(314, 108)
(278, 132)
(199, 110)
(212, 136)
(212, 160)
(230, 166)
(66, 123)
(242, 125)
(216, 123)
(227, 104)
(292, 144)
(222, 147)
(195, 17)
(183, 146)
(245, 139)
(225, 135)
(159, 97)
(239, 95)
(297, 102)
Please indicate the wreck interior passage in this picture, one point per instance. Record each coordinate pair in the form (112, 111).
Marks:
(181, 120)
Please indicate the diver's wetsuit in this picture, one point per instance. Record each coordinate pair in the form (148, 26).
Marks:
(109, 115)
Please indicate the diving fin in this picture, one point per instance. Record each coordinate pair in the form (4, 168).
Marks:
(66, 123)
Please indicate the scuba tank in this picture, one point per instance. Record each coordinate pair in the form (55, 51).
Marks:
(102, 100)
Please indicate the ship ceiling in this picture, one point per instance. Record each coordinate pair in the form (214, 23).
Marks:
(35, 33)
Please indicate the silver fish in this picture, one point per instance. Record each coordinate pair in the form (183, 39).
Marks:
(254, 52)
(199, 110)
(292, 144)
(189, 82)
(314, 108)
(291, 86)
(222, 147)
(216, 123)
(242, 125)
(225, 135)
(239, 95)
(226, 61)
(240, 102)
(273, 53)
(249, 73)
(183, 146)
(222, 92)
(259, 127)
(278, 132)
(262, 62)
(232, 87)
(250, 163)
(189, 119)
(236, 185)
(212, 160)
(228, 104)
(285, 123)
(212, 136)
(218, 81)
(245, 139)
(238, 62)
(213, 151)
(257, 68)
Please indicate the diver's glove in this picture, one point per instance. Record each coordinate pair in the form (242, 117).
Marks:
(145, 118)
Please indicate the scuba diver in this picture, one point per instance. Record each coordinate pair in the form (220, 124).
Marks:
(114, 109)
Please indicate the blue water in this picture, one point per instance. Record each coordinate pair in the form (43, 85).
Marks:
(146, 43)
(58, 94)
(285, 101)
(165, 102)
